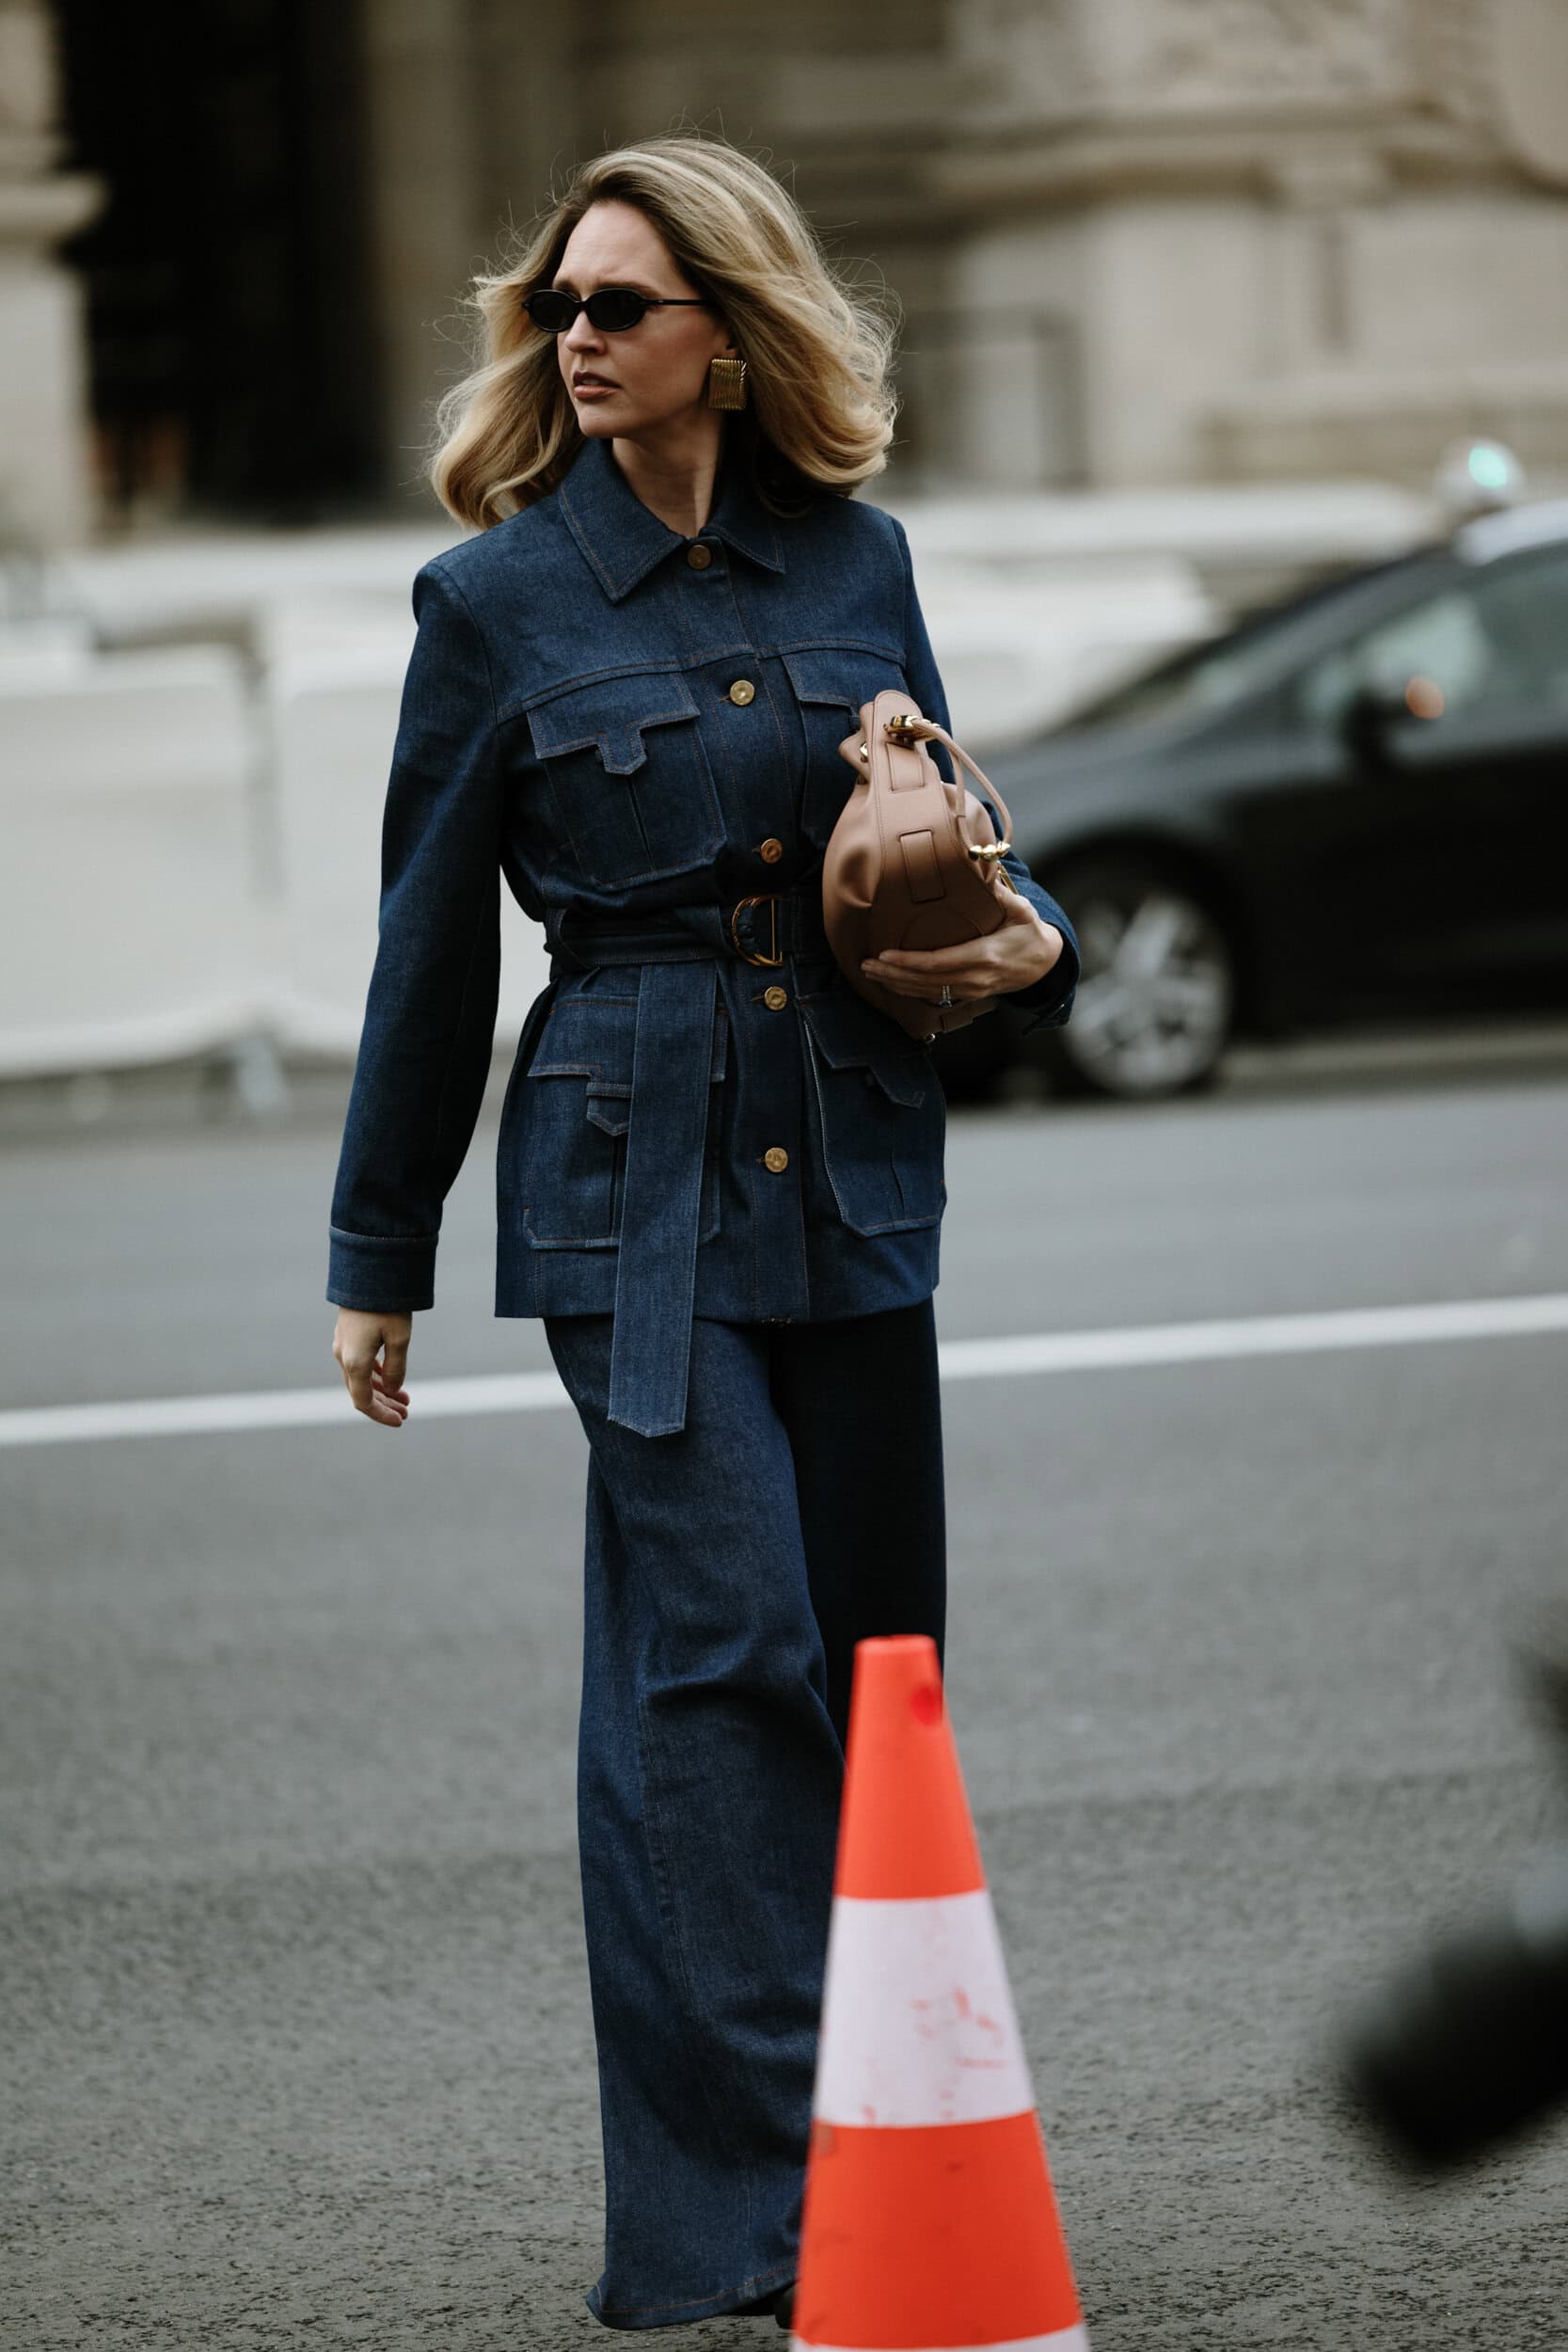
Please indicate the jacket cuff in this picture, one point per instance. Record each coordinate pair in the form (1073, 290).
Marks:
(381, 1273)
(1045, 1004)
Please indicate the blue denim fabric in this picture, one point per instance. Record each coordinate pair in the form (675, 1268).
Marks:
(729, 1571)
(567, 722)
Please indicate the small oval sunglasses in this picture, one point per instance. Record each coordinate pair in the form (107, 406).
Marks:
(611, 309)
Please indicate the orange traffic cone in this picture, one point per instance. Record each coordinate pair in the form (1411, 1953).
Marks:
(930, 2218)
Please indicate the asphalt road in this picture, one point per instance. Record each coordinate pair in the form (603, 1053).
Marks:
(293, 2010)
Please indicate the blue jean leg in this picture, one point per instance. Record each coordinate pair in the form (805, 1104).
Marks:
(729, 1568)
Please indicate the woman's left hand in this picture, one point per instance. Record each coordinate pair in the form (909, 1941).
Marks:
(1023, 948)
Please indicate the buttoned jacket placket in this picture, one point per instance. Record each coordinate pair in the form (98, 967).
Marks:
(656, 1277)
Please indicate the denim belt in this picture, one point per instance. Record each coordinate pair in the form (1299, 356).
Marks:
(677, 949)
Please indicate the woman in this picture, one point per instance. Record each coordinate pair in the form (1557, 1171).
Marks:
(720, 1170)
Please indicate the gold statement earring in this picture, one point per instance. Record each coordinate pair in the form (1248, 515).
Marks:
(726, 383)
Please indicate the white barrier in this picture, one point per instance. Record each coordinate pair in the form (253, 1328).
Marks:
(332, 723)
(128, 921)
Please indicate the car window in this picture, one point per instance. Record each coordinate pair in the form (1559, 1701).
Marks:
(1526, 606)
(1209, 683)
(1498, 644)
(1210, 676)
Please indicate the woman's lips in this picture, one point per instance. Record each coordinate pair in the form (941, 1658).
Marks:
(585, 387)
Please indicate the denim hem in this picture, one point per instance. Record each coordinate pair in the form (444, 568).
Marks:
(704, 2306)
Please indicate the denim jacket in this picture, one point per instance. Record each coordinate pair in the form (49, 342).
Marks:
(628, 723)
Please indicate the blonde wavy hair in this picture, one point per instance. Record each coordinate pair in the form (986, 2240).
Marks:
(819, 354)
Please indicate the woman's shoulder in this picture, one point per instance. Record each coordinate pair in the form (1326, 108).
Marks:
(488, 562)
(867, 532)
(854, 512)
(855, 531)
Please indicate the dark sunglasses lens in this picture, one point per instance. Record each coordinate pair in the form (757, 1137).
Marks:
(614, 307)
(551, 312)
(610, 309)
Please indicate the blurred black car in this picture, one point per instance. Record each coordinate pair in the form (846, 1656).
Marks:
(1354, 808)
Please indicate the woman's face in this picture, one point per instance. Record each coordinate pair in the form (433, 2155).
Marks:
(658, 369)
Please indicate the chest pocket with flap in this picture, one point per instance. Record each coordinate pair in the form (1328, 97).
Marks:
(630, 779)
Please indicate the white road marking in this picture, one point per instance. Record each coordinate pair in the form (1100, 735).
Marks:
(274, 1408)
(1114, 1350)
(1254, 1335)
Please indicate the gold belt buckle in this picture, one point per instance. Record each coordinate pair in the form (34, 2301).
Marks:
(769, 898)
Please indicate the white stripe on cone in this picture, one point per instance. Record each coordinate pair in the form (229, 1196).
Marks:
(918, 2024)
(1065, 2339)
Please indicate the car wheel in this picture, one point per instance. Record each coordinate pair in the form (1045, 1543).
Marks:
(1157, 994)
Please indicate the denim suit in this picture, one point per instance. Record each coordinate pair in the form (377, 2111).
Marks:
(624, 722)
(720, 1183)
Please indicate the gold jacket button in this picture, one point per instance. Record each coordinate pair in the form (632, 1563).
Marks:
(775, 998)
(742, 690)
(776, 1159)
(699, 557)
(771, 850)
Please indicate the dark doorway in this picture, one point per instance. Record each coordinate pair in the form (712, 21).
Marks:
(229, 319)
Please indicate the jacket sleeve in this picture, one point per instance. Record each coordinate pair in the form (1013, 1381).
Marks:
(1048, 1001)
(430, 1014)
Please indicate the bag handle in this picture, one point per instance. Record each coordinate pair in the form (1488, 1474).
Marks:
(926, 730)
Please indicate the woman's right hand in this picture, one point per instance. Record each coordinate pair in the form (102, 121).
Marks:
(377, 1388)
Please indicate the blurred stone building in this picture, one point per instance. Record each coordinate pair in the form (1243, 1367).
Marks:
(1136, 242)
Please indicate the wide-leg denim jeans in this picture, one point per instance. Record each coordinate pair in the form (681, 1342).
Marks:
(730, 1570)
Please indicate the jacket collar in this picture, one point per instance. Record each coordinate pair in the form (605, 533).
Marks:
(623, 539)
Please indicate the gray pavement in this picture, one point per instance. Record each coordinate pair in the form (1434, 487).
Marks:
(293, 2011)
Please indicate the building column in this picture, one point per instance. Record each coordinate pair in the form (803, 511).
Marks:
(469, 110)
(46, 497)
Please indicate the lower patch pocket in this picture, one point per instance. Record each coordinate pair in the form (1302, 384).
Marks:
(881, 1116)
(578, 1114)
